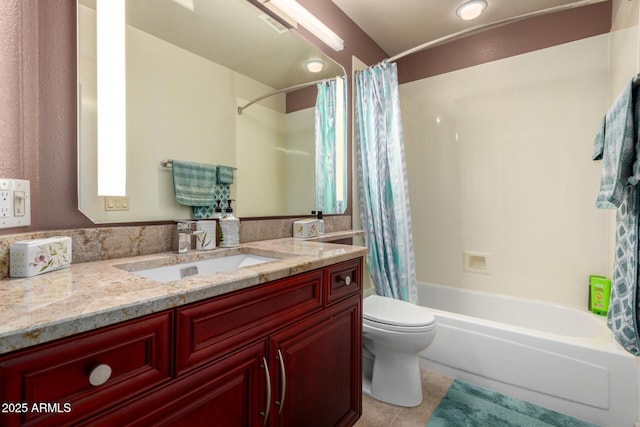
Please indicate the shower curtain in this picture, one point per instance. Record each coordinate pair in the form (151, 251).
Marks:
(327, 140)
(382, 183)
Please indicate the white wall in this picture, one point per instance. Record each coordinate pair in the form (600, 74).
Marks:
(499, 162)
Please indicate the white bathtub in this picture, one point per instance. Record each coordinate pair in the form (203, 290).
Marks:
(561, 358)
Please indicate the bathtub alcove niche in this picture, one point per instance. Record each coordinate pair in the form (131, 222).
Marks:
(499, 163)
(556, 357)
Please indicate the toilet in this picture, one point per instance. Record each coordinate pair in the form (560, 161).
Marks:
(394, 333)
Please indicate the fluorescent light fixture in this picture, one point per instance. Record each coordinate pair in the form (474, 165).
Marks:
(471, 9)
(111, 88)
(314, 65)
(341, 143)
(187, 4)
(305, 18)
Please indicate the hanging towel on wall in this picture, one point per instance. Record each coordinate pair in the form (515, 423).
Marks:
(194, 183)
(622, 317)
(615, 145)
(225, 174)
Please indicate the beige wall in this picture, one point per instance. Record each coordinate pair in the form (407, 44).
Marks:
(499, 162)
(300, 151)
(261, 135)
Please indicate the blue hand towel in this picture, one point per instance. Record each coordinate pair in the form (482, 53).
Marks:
(194, 183)
(225, 174)
(615, 145)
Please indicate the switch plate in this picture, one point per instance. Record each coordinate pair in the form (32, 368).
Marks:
(15, 203)
(116, 203)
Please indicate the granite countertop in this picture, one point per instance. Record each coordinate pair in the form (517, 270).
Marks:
(90, 295)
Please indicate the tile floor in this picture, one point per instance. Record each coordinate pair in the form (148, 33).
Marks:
(379, 414)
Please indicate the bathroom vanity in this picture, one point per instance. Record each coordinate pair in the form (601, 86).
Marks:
(273, 344)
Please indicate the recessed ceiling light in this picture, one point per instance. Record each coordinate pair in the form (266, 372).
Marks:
(314, 65)
(471, 9)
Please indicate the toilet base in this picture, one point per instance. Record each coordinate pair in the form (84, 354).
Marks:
(395, 380)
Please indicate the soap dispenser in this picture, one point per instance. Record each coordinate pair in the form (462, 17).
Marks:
(229, 228)
(218, 209)
(320, 221)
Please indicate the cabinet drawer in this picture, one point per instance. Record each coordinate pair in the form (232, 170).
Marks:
(343, 279)
(137, 353)
(210, 329)
(230, 392)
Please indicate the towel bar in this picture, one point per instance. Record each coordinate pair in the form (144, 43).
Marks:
(168, 162)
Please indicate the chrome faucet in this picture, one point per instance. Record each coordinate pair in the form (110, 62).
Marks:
(185, 232)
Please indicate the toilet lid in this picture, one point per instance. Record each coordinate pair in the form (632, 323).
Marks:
(391, 311)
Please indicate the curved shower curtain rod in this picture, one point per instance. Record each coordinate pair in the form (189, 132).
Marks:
(275, 92)
(468, 31)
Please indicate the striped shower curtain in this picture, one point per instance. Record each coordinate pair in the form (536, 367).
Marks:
(330, 140)
(382, 183)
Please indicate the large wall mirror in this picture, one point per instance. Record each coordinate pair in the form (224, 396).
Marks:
(189, 65)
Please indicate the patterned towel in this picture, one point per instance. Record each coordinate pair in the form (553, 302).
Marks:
(615, 144)
(194, 183)
(225, 174)
(623, 304)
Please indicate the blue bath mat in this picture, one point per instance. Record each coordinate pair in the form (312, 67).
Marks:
(467, 405)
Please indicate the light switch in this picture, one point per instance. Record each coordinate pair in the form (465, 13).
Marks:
(19, 204)
(116, 203)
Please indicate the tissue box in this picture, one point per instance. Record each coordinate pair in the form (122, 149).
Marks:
(32, 257)
(305, 228)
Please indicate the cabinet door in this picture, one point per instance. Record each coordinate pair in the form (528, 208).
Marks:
(229, 392)
(59, 381)
(319, 377)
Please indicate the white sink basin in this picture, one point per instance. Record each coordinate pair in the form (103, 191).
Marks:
(173, 272)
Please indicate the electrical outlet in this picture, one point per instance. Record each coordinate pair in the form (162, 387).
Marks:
(5, 204)
(15, 206)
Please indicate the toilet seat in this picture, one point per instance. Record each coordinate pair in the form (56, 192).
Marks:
(396, 315)
(397, 328)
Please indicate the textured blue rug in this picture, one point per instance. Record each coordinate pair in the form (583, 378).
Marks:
(467, 405)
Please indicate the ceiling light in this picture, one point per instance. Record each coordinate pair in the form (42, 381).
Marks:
(302, 16)
(471, 9)
(187, 4)
(314, 65)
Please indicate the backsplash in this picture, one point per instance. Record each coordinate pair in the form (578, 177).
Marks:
(94, 244)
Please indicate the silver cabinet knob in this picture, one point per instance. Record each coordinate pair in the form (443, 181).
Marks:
(99, 375)
(347, 280)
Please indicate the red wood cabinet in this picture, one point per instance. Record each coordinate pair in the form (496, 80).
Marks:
(208, 329)
(319, 373)
(137, 354)
(230, 392)
(285, 353)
